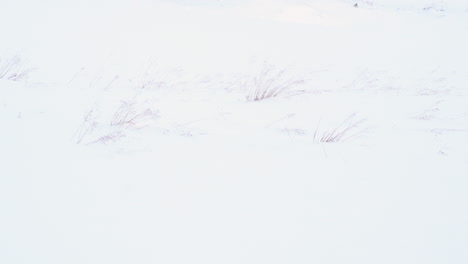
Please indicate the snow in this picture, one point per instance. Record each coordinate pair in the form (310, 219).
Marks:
(132, 140)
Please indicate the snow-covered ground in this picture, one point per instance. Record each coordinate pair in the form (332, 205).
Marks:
(130, 134)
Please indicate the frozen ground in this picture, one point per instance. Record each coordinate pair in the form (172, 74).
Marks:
(129, 138)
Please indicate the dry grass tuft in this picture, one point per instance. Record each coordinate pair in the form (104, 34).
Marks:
(87, 126)
(12, 69)
(126, 116)
(270, 82)
(348, 130)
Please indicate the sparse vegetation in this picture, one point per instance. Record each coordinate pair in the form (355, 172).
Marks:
(87, 126)
(269, 82)
(110, 126)
(127, 116)
(349, 129)
(12, 69)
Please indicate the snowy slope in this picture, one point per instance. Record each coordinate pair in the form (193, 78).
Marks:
(131, 138)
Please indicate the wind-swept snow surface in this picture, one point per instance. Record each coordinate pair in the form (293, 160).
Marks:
(234, 132)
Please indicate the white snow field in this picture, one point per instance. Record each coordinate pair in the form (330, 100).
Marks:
(252, 131)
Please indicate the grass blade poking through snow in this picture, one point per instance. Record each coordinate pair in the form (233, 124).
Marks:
(12, 69)
(269, 82)
(348, 130)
